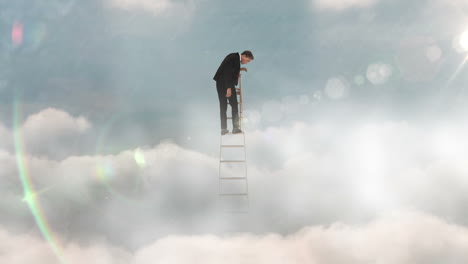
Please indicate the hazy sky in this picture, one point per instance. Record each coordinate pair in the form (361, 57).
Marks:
(354, 118)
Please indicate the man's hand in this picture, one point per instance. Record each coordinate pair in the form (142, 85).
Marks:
(228, 93)
(243, 69)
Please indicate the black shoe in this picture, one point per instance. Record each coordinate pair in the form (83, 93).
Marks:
(237, 131)
(224, 131)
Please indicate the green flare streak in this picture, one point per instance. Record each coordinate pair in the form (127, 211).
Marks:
(28, 188)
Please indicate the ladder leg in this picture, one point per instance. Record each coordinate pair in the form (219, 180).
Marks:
(241, 194)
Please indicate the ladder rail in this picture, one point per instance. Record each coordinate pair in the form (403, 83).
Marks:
(241, 125)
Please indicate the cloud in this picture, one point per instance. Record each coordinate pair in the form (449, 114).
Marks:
(155, 7)
(116, 193)
(164, 18)
(53, 132)
(54, 121)
(400, 238)
(26, 248)
(393, 238)
(6, 138)
(340, 5)
(310, 173)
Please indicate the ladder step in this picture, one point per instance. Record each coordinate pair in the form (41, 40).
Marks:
(236, 212)
(232, 146)
(223, 161)
(233, 178)
(233, 194)
(234, 134)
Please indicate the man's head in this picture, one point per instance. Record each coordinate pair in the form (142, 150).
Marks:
(246, 57)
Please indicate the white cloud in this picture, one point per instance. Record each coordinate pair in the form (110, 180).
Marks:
(313, 173)
(19, 249)
(174, 182)
(155, 7)
(130, 18)
(50, 132)
(6, 139)
(54, 122)
(53, 132)
(393, 238)
(340, 5)
(374, 166)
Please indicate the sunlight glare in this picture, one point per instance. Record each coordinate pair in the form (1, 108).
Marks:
(464, 40)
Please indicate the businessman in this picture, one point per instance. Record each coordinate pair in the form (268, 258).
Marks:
(226, 78)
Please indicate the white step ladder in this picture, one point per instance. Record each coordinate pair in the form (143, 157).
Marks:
(233, 189)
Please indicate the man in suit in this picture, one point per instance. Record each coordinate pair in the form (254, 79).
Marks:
(226, 77)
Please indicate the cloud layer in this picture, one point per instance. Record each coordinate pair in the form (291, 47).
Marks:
(340, 5)
(155, 7)
(298, 175)
(393, 238)
(51, 133)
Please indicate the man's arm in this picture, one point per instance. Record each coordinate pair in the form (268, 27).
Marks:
(227, 75)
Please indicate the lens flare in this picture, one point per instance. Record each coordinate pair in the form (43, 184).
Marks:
(30, 195)
(317, 95)
(359, 80)
(337, 87)
(140, 158)
(464, 40)
(37, 35)
(433, 53)
(379, 73)
(418, 58)
(17, 34)
(110, 174)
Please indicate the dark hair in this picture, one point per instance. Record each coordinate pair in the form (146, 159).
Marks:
(248, 53)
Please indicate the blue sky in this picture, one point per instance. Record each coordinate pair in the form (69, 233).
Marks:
(354, 119)
(102, 59)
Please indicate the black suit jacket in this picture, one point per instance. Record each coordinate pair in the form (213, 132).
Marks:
(228, 71)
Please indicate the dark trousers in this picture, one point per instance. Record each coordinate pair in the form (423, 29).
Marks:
(223, 100)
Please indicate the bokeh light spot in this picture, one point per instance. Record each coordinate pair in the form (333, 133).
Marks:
(359, 80)
(318, 95)
(336, 88)
(105, 171)
(418, 58)
(37, 36)
(379, 73)
(140, 158)
(433, 53)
